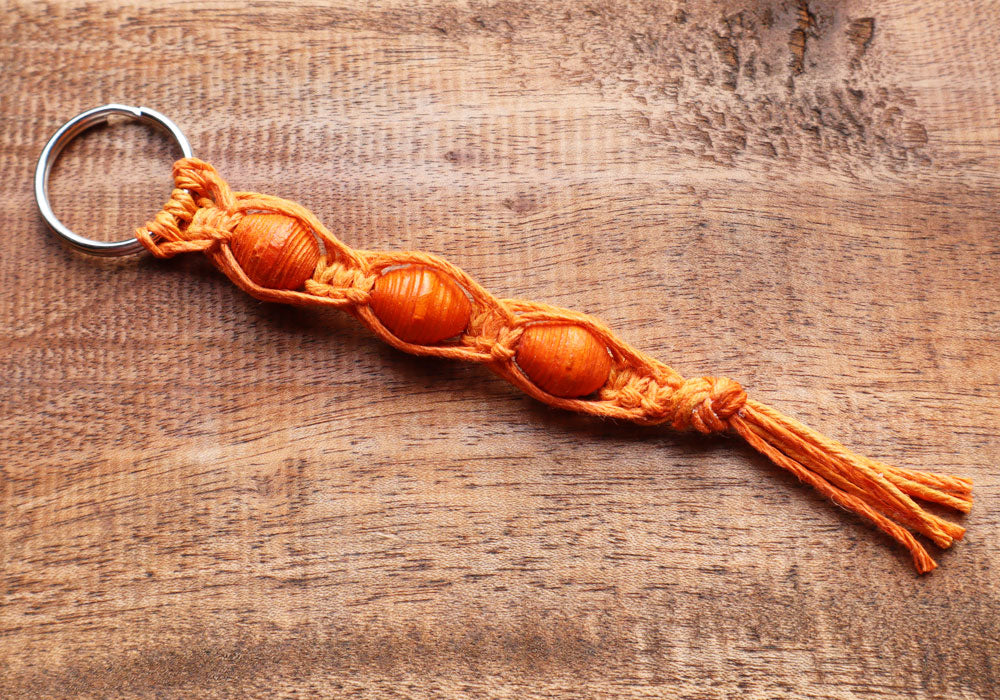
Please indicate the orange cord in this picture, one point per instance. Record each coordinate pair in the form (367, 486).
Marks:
(203, 212)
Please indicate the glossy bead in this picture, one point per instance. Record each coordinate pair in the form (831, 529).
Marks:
(565, 360)
(420, 305)
(276, 251)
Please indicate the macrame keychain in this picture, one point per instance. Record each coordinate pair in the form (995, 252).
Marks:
(278, 251)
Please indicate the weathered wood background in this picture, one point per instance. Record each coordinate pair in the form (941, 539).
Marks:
(205, 496)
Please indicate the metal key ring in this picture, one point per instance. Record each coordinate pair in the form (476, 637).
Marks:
(66, 133)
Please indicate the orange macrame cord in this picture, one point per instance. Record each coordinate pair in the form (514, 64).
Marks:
(203, 215)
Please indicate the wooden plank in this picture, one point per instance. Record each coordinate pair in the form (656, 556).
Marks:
(206, 496)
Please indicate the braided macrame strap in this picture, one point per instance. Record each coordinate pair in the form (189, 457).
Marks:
(203, 213)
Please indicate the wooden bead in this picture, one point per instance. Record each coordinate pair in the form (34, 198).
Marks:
(564, 359)
(276, 251)
(420, 305)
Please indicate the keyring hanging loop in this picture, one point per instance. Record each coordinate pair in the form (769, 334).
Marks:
(69, 131)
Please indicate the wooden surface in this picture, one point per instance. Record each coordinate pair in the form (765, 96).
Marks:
(205, 496)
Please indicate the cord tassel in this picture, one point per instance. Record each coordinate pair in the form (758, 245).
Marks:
(876, 491)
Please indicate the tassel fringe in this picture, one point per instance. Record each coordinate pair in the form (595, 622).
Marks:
(879, 492)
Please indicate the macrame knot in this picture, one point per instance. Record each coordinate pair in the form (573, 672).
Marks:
(162, 236)
(500, 345)
(490, 332)
(199, 213)
(705, 404)
(338, 281)
(504, 347)
(211, 224)
(198, 177)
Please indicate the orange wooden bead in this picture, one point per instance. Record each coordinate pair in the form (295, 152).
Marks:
(275, 251)
(420, 305)
(563, 359)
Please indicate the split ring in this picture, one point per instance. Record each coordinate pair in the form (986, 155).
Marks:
(69, 131)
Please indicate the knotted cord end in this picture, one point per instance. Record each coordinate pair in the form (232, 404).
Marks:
(198, 214)
(704, 404)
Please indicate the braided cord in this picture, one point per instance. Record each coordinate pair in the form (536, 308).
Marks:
(203, 212)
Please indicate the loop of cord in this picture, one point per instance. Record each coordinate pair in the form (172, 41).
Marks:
(203, 212)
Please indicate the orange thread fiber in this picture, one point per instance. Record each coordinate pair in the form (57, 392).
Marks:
(203, 213)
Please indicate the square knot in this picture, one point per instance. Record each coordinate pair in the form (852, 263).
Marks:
(630, 396)
(704, 404)
(344, 277)
(505, 346)
(340, 282)
(490, 332)
(501, 343)
(211, 224)
(183, 225)
(197, 176)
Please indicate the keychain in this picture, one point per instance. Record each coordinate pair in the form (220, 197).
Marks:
(278, 251)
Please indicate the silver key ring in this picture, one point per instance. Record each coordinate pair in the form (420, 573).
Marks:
(69, 131)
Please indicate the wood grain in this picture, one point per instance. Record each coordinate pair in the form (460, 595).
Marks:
(204, 496)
